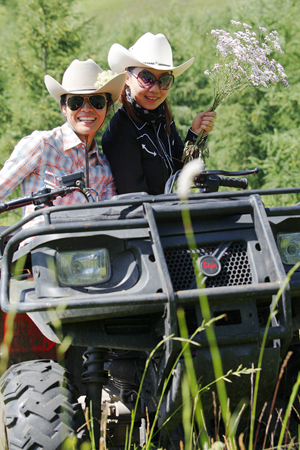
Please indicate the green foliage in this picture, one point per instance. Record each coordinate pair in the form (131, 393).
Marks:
(45, 37)
(257, 127)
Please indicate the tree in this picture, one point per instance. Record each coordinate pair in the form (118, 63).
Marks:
(48, 36)
(255, 127)
(259, 127)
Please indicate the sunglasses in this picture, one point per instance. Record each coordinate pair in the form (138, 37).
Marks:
(77, 101)
(147, 79)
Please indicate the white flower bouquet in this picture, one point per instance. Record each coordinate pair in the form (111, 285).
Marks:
(242, 61)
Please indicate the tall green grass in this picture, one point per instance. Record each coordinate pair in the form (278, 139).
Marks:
(196, 435)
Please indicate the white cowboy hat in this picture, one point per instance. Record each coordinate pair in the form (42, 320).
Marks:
(81, 77)
(150, 50)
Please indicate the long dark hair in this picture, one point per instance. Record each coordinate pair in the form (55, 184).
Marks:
(130, 110)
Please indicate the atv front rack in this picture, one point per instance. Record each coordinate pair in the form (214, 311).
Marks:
(159, 219)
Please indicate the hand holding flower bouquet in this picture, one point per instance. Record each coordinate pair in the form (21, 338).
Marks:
(242, 61)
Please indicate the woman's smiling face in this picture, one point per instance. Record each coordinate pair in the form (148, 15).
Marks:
(148, 98)
(87, 120)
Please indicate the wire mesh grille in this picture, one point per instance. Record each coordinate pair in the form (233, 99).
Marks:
(235, 266)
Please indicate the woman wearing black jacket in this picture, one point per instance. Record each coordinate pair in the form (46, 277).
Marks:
(141, 142)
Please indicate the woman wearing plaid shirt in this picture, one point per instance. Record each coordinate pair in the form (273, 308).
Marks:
(41, 159)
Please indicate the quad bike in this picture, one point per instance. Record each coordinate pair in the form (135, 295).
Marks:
(111, 275)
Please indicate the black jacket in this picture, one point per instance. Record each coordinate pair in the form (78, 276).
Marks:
(141, 155)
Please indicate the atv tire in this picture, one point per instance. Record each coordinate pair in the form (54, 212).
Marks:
(38, 407)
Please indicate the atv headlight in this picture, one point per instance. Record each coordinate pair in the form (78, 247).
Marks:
(83, 267)
(289, 247)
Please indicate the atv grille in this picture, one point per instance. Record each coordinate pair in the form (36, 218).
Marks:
(235, 267)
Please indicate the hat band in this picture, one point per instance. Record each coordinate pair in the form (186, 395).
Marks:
(79, 89)
(158, 63)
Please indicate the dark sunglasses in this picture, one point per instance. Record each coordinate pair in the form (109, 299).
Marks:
(77, 101)
(147, 79)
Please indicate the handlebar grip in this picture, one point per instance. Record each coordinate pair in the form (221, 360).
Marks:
(241, 183)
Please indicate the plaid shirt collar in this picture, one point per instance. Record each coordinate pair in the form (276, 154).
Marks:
(71, 140)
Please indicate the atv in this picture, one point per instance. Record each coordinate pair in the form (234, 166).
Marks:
(111, 276)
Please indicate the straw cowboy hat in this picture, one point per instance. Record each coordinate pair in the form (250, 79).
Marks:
(150, 50)
(81, 77)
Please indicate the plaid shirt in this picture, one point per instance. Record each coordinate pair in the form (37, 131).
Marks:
(39, 160)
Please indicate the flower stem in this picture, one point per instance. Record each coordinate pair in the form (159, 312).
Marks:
(199, 137)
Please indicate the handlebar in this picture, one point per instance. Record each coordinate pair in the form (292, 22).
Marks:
(241, 183)
(211, 180)
(45, 197)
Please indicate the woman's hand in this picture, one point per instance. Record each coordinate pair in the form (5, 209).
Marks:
(204, 121)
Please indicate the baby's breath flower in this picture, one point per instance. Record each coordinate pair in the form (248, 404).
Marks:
(104, 77)
(242, 62)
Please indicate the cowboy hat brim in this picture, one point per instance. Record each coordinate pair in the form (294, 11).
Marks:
(113, 87)
(119, 58)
